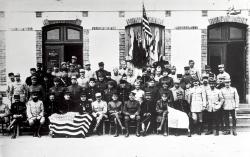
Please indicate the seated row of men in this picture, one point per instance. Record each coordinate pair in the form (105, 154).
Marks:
(132, 105)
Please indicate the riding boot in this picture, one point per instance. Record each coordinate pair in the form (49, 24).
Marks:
(14, 132)
(199, 127)
(138, 129)
(126, 128)
(116, 130)
(234, 132)
(165, 133)
(38, 130)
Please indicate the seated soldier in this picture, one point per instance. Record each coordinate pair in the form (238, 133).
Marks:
(131, 110)
(85, 105)
(18, 112)
(52, 106)
(182, 105)
(99, 108)
(162, 111)
(115, 111)
(147, 113)
(67, 104)
(4, 111)
(35, 113)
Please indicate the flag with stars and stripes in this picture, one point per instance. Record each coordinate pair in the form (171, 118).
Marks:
(146, 28)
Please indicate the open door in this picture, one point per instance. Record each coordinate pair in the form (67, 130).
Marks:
(54, 55)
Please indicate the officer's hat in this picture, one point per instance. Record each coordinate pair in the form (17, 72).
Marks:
(16, 96)
(87, 63)
(112, 83)
(212, 81)
(17, 75)
(167, 70)
(108, 74)
(82, 71)
(98, 94)
(73, 77)
(34, 93)
(67, 92)
(132, 92)
(179, 76)
(73, 57)
(62, 63)
(83, 93)
(92, 79)
(221, 66)
(227, 80)
(186, 68)
(101, 64)
(195, 79)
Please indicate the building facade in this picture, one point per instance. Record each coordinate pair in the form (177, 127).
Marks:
(50, 35)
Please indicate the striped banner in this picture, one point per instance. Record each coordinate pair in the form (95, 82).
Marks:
(65, 125)
(145, 27)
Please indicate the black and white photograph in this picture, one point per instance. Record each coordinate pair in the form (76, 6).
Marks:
(124, 78)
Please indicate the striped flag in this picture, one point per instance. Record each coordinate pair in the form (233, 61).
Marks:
(146, 28)
(70, 124)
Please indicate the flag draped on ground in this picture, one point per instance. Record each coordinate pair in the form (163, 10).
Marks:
(70, 124)
(177, 119)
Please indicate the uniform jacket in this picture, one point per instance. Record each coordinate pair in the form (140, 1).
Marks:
(51, 107)
(214, 99)
(36, 88)
(91, 91)
(197, 99)
(85, 107)
(131, 108)
(58, 91)
(35, 109)
(75, 91)
(153, 91)
(175, 90)
(168, 79)
(161, 106)
(18, 108)
(148, 106)
(124, 93)
(83, 82)
(68, 106)
(100, 107)
(114, 106)
(231, 98)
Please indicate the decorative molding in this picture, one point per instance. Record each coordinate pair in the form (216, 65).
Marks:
(50, 22)
(122, 55)
(2, 59)
(138, 20)
(39, 52)
(185, 27)
(168, 45)
(203, 48)
(85, 45)
(221, 19)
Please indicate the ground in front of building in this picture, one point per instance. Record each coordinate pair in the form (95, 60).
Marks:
(150, 146)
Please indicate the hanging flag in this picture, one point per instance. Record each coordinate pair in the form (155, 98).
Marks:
(146, 28)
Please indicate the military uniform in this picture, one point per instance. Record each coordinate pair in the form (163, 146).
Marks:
(75, 91)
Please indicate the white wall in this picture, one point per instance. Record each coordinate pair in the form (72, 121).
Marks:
(186, 45)
(104, 46)
(21, 52)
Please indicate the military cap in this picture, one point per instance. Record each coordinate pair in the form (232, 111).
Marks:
(35, 93)
(221, 66)
(82, 71)
(212, 81)
(205, 76)
(112, 83)
(67, 92)
(73, 57)
(150, 80)
(164, 93)
(101, 64)
(92, 79)
(100, 74)
(137, 83)
(87, 63)
(83, 93)
(108, 74)
(167, 70)
(71, 64)
(195, 79)
(56, 79)
(191, 60)
(63, 63)
(17, 75)
(227, 80)
(16, 96)
(39, 64)
(186, 68)
(33, 78)
(207, 67)
(123, 82)
(179, 75)
(73, 77)
(32, 69)
(98, 94)
(115, 93)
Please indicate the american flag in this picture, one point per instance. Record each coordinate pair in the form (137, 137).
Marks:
(146, 28)
(70, 124)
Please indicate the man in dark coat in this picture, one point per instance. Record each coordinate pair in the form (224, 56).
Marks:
(92, 90)
(75, 90)
(101, 70)
(67, 104)
(124, 90)
(57, 90)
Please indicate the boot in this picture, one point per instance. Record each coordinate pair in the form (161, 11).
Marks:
(199, 127)
(138, 129)
(116, 131)
(234, 132)
(189, 133)
(126, 128)
(38, 131)
(216, 133)
(14, 133)
(165, 129)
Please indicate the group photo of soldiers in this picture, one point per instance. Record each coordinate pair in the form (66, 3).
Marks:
(146, 100)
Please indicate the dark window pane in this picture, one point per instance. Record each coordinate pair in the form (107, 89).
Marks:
(53, 34)
(73, 34)
(215, 33)
(235, 33)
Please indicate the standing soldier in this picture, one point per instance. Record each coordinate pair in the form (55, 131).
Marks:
(101, 70)
(57, 90)
(230, 106)
(10, 82)
(176, 89)
(123, 91)
(75, 90)
(92, 90)
(214, 103)
(28, 79)
(186, 78)
(82, 80)
(74, 63)
(37, 88)
(166, 77)
(101, 82)
(131, 111)
(109, 91)
(193, 70)
(19, 88)
(152, 90)
(88, 72)
(198, 104)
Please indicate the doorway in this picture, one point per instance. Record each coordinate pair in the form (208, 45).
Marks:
(61, 42)
(227, 45)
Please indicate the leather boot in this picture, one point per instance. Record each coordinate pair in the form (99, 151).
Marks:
(199, 128)
(38, 131)
(138, 129)
(14, 133)
(165, 133)
(234, 132)
(127, 130)
(116, 130)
